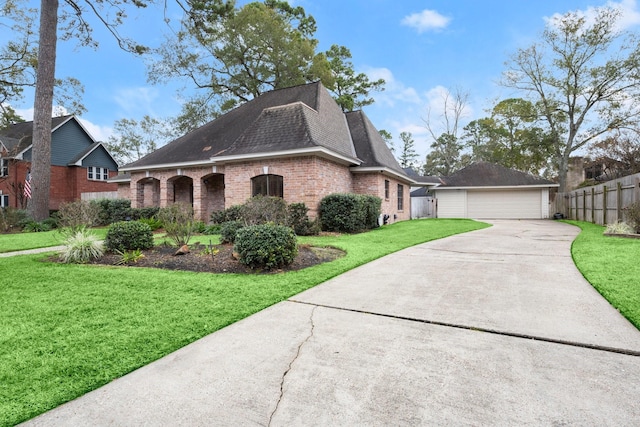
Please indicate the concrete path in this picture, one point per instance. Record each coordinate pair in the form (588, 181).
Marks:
(493, 327)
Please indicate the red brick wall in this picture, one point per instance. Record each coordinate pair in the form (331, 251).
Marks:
(305, 179)
(67, 183)
(373, 183)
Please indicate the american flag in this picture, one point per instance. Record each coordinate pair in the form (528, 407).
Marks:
(27, 186)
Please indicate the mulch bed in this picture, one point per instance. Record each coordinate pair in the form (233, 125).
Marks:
(198, 260)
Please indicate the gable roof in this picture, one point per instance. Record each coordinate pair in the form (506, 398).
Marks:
(77, 160)
(296, 119)
(485, 174)
(20, 135)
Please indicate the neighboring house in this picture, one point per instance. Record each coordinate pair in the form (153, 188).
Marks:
(489, 191)
(79, 164)
(294, 143)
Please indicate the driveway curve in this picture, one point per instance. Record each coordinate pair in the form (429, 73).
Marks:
(492, 327)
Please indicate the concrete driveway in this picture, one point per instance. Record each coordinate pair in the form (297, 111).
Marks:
(492, 327)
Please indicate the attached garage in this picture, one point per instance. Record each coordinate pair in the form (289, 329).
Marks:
(488, 191)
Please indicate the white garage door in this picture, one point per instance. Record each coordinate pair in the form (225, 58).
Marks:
(452, 204)
(506, 204)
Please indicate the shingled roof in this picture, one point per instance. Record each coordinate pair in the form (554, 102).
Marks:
(295, 118)
(485, 174)
(290, 121)
(19, 136)
(369, 145)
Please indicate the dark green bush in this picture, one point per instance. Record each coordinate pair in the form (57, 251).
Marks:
(265, 209)
(113, 210)
(199, 227)
(266, 246)
(349, 213)
(128, 235)
(298, 219)
(212, 229)
(144, 213)
(36, 227)
(233, 213)
(228, 231)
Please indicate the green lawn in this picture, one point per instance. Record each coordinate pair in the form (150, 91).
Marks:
(612, 266)
(69, 329)
(23, 241)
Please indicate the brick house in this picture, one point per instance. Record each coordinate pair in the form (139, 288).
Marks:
(295, 143)
(79, 164)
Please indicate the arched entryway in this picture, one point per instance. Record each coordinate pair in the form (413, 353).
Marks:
(147, 192)
(180, 190)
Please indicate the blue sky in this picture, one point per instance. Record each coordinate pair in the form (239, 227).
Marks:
(421, 48)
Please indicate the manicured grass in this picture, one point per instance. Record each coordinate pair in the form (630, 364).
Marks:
(611, 265)
(23, 241)
(68, 329)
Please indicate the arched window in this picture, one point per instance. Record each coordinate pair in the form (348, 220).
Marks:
(267, 185)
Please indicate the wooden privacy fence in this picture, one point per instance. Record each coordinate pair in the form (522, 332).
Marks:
(600, 204)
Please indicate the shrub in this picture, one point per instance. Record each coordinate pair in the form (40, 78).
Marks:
(35, 227)
(619, 228)
(128, 235)
(78, 215)
(199, 227)
(81, 247)
(372, 207)
(228, 231)
(266, 246)
(233, 213)
(11, 218)
(632, 216)
(127, 257)
(113, 210)
(265, 209)
(349, 213)
(177, 220)
(152, 222)
(144, 213)
(212, 229)
(298, 219)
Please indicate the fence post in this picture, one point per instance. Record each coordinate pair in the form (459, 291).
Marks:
(636, 190)
(604, 205)
(584, 205)
(619, 201)
(593, 205)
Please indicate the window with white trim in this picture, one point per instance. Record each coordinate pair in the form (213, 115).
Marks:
(4, 200)
(4, 167)
(96, 173)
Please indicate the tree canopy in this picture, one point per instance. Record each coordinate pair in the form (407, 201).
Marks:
(582, 76)
(235, 54)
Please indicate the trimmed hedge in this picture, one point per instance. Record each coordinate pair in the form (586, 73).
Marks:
(349, 213)
(266, 246)
(128, 235)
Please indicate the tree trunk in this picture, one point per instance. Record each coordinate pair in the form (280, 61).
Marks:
(38, 206)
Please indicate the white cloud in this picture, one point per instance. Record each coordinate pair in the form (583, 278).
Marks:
(441, 103)
(98, 132)
(629, 14)
(394, 90)
(136, 101)
(426, 20)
